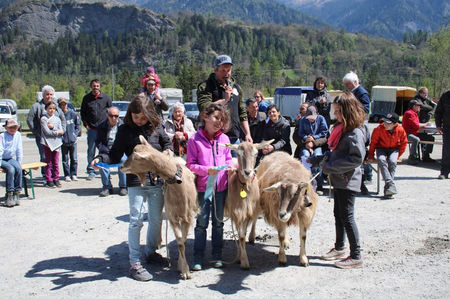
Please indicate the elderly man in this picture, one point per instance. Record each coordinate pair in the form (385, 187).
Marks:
(351, 83)
(256, 119)
(442, 118)
(428, 106)
(106, 134)
(34, 119)
(412, 125)
(93, 112)
(179, 128)
(221, 88)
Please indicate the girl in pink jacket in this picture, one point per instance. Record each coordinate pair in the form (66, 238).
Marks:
(206, 158)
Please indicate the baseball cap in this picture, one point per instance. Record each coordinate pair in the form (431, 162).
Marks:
(414, 103)
(391, 118)
(62, 100)
(11, 122)
(150, 79)
(311, 112)
(223, 59)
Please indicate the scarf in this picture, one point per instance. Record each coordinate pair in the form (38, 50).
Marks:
(179, 148)
(335, 136)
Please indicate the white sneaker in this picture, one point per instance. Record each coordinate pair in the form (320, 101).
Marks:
(333, 254)
(68, 179)
(74, 178)
(349, 263)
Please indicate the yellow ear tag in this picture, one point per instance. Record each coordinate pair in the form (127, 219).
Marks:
(243, 194)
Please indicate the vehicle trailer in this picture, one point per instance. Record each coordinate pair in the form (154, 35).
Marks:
(386, 99)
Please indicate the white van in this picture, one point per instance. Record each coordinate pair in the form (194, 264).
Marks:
(8, 109)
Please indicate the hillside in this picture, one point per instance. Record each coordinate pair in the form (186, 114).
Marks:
(383, 18)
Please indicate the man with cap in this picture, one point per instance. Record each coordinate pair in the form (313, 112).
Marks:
(150, 72)
(442, 118)
(10, 146)
(93, 112)
(153, 94)
(412, 126)
(313, 131)
(389, 141)
(220, 87)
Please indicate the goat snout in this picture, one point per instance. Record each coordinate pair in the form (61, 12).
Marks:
(247, 173)
(284, 216)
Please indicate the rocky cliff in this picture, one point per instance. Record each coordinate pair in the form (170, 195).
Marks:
(48, 21)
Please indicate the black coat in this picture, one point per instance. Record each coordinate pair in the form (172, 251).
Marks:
(127, 138)
(280, 131)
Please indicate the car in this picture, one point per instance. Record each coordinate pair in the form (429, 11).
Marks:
(8, 109)
(122, 106)
(191, 112)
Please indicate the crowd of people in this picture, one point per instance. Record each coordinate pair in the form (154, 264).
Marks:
(331, 135)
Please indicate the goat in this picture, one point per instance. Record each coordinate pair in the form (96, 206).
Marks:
(287, 198)
(180, 195)
(242, 204)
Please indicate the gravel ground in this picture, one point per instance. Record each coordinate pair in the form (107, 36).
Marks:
(71, 243)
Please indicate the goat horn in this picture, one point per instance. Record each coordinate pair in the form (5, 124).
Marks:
(143, 140)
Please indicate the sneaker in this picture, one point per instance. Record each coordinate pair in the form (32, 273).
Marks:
(10, 202)
(50, 184)
(218, 264)
(442, 177)
(91, 176)
(390, 190)
(123, 192)
(349, 263)
(74, 178)
(333, 254)
(67, 179)
(139, 273)
(105, 192)
(197, 267)
(58, 184)
(412, 160)
(17, 198)
(156, 258)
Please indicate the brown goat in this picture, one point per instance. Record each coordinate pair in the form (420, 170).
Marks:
(180, 199)
(242, 204)
(287, 198)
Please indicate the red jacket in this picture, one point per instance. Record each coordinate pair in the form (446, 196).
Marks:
(382, 138)
(410, 122)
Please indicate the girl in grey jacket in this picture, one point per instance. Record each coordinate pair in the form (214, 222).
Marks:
(343, 166)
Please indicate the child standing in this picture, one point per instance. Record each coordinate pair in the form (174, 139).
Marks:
(51, 140)
(343, 166)
(10, 145)
(203, 156)
(389, 141)
(69, 141)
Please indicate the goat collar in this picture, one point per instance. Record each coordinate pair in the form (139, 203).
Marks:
(244, 184)
(177, 177)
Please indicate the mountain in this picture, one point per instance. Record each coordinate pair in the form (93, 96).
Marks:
(382, 18)
(48, 21)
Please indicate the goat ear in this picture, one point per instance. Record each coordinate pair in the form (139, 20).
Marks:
(232, 147)
(302, 185)
(141, 155)
(141, 177)
(143, 140)
(264, 143)
(272, 188)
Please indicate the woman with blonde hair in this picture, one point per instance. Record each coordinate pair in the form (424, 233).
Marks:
(343, 166)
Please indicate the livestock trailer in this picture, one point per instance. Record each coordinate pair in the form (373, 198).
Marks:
(386, 99)
(289, 99)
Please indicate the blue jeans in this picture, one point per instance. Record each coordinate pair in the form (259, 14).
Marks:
(137, 196)
(105, 174)
(13, 175)
(314, 170)
(91, 137)
(216, 211)
(69, 152)
(306, 153)
(344, 208)
(37, 139)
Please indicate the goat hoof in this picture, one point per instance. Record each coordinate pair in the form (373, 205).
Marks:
(245, 267)
(186, 276)
(251, 242)
(282, 263)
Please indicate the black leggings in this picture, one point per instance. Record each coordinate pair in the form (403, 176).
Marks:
(344, 206)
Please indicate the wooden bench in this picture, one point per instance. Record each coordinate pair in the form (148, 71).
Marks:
(27, 170)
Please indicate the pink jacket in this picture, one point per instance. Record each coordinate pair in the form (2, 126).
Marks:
(201, 155)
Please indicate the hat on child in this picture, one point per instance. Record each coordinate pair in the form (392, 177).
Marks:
(151, 69)
(11, 122)
(391, 118)
(311, 113)
(223, 59)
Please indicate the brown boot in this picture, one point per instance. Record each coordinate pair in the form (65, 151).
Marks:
(17, 198)
(10, 202)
